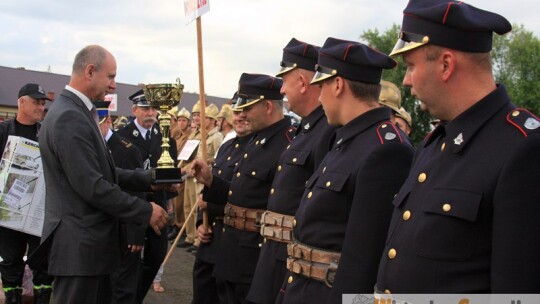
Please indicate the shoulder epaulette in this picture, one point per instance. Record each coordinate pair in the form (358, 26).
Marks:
(387, 132)
(526, 122)
(126, 143)
(290, 133)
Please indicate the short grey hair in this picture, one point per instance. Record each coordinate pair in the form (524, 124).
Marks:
(91, 54)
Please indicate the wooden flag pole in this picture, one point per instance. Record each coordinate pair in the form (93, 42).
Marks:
(203, 104)
(177, 239)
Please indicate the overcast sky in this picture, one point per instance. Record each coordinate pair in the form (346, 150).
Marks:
(153, 44)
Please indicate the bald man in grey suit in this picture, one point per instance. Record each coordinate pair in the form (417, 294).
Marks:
(84, 202)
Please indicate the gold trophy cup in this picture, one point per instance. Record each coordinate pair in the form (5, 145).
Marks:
(163, 97)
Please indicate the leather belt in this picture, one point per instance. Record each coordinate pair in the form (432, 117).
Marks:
(317, 264)
(242, 218)
(277, 227)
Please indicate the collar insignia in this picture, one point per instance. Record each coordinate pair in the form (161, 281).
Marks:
(459, 139)
(532, 123)
(390, 136)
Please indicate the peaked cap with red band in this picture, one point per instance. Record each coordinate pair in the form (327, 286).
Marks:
(298, 54)
(451, 24)
(351, 60)
(255, 87)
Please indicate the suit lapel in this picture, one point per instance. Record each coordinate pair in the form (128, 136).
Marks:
(91, 121)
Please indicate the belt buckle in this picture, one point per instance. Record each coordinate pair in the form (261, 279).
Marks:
(228, 210)
(258, 217)
(263, 217)
(330, 271)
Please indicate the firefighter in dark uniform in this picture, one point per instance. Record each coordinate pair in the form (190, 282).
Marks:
(296, 165)
(206, 289)
(246, 195)
(466, 220)
(124, 153)
(15, 244)
(125, 278)
(341, 223)
(144, 133)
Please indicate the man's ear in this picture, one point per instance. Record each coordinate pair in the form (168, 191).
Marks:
(304, 83)
(89, 71)
(448, 64)
(269, 106)
(338, 86)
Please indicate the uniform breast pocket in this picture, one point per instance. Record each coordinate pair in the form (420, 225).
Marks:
(298, 158)
(255, 181)
(329, 192)
(333, 181)
(448, 228)
(256, 171)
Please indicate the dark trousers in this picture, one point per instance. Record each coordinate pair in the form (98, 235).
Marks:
(206, 288)
(82, 290)
(236, 293)
(125, 279)
(13, 245)
(155, 249)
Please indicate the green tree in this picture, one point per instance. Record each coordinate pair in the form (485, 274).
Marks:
(516, 64)
(385, 43)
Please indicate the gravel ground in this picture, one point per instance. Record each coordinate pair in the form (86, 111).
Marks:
(177, 280)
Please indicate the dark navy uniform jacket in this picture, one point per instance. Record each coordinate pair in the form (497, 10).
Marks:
(296, 165)
(466, 220)
(151, 152)
(347, 205)
(126, 156)
(227, 159)
(249, 188)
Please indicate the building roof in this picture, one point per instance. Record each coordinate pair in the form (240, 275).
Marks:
(12, 79)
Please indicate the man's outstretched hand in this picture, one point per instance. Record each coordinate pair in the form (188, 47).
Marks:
(158, 219)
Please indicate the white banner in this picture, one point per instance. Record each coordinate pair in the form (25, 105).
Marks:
(195, 8)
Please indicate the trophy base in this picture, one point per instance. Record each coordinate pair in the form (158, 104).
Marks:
(166, 176)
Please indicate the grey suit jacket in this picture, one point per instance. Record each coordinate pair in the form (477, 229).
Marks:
(83, 199)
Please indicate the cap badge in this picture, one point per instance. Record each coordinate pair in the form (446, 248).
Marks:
(389, 136)
(135, 133)
(459, 139)
(532, 123)
(307, 126)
